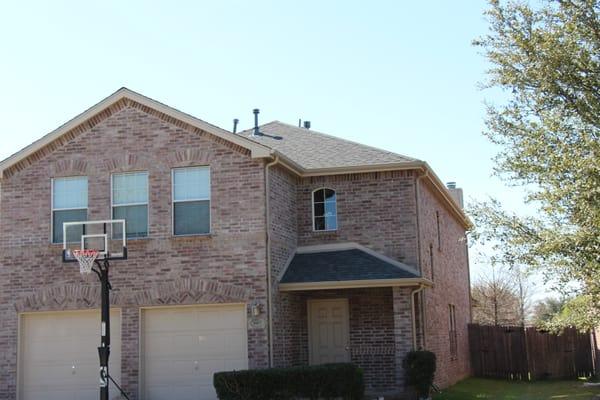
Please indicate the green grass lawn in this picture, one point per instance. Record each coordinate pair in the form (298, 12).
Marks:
(476, 388)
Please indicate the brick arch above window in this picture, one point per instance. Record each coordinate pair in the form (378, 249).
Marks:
(125, 162)
(69, 167)
(190, 157)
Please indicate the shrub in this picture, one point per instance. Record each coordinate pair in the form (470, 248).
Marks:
(326, 381)
(420, 370)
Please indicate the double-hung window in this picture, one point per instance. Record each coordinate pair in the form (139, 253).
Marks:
(69, 204)
(324, 210)
(191, 201)
(130, 202)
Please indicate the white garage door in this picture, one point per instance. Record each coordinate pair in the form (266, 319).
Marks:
(182, 347)
(59, 355)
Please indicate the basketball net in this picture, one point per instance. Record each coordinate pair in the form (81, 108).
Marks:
(86, 259)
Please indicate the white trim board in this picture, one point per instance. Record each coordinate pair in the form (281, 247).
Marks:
(369, 283)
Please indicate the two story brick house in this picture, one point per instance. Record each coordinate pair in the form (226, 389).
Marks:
(276, 246)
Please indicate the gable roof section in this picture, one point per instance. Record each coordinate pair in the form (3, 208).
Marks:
(256, 149)
(313, 151)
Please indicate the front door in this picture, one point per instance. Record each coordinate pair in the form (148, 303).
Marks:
(328, 331)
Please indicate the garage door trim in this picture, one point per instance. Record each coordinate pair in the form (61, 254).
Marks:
(141, 373)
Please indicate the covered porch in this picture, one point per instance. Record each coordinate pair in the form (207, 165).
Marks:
(350, 305)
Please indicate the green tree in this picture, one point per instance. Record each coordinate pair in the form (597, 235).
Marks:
(545, 310)
(575, 312)
(546, 58)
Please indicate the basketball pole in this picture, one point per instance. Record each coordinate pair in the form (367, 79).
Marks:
(104, 349)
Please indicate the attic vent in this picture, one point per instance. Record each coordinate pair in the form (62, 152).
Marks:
(307, 124)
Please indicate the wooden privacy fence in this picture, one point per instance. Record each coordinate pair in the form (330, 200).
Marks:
(513, 352)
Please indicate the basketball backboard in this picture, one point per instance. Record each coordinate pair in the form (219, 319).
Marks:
(108, 237)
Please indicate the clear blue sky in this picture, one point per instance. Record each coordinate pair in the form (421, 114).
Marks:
(397, 75)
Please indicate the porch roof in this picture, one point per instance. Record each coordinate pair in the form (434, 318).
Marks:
(346, 268)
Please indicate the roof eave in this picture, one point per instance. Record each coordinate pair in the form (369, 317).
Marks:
(355, 284)
(409, 165)
(256, 150)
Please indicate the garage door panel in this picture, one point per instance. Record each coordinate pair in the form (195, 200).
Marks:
(53, 343)
(59, 394)
(238, 364)
(183, 392)
(231, 321)
(184, 346)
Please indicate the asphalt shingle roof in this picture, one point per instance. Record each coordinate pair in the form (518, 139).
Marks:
(314, 150)
(341, 265)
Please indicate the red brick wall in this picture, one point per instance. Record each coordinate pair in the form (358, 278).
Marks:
(371, 332)
(376, 210)
(284, 237)
(451, 280)
(227, 266)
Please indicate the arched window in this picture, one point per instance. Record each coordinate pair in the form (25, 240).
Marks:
(324, 210)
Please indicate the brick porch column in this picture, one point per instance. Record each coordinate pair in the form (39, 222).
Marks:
(402, 330)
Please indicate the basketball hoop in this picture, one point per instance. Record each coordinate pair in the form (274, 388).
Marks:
(86, 259)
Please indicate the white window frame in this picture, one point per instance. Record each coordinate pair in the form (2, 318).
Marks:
(173, 201)
(52, 209)
(312, 201)
(147, 203)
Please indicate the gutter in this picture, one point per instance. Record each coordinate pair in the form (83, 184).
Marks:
(269, 277)
(354, 284)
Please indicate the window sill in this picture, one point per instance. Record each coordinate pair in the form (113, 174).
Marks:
(135, 239)
(325, 231)
(193, 235)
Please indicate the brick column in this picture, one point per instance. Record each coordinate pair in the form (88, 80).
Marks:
(402, 331)
(8, 351)
(130, 361)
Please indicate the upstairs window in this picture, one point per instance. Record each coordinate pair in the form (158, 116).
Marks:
(324, 210)
(191, 201)
(69, 204)
(130, 202)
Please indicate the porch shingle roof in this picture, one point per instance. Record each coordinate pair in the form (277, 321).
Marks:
(341, 265)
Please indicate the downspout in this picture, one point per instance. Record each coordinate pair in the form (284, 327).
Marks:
(413, 314)
(418, 211)
(269, 277)
(419, 259)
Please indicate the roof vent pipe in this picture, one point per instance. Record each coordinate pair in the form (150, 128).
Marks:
(451, 185)
(256, 132)
(307, 124)
(235, 124)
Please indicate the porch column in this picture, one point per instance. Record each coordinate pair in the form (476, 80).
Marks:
(402, 330)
